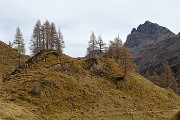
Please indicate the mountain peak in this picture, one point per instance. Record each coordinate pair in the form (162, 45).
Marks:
(144, 27)
(148, 28)
(147, 34)
(148, 22)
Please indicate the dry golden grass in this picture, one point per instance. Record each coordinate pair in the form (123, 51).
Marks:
(12, 111)
(9, 58)
(53, 86)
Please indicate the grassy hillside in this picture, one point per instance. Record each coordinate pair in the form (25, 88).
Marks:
(9, 58)
(54, 86)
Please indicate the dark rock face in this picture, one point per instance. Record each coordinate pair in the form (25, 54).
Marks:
(151, 45)
(147, 34)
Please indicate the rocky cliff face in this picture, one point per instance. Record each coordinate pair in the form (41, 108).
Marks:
(151, 45)
(147, 34)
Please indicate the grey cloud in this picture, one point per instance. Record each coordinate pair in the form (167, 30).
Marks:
(77, 18)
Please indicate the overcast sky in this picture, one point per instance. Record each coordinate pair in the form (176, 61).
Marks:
(78, 18)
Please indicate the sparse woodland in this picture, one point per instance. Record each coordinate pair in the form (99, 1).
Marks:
(45, 36)
(116, 50)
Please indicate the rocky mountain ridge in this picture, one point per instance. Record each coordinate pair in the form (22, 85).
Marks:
(147, 34)
(151, 45)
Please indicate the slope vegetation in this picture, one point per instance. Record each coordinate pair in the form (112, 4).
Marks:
(56, 86)
(9, 58)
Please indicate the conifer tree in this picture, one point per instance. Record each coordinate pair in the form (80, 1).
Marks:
(46, 37)
(47, 34)
(43, 43)
(101, 44)
(114, 49)
(59, 43)
(53, 36)
(92, 45)
(125, 60)
(36, 38)
(92, 42)
(121, 55)
(18, 43)
(166, 77)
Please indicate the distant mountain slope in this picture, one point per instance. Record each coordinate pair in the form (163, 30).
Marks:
(158, 46)
(56, 86)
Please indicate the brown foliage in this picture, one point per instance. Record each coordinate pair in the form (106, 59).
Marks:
(121, 55)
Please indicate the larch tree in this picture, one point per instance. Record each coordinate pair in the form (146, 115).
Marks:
(59, 43)
(166, 77)
(92, 45)
(19, 45)
(47, 33)
(109, 53)
(125, 60)
(121, 55)
(117, 46)
(46, 37)
(53, 36)
(101, 44)
(114, 49)
(43, 43)
(36, 45)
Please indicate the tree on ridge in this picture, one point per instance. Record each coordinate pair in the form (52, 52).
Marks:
(46, 37)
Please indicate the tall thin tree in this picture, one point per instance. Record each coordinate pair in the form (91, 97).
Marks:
(47, 34)
(125, 60)
(59, 42)
(92, 45)
(19, 45)
(101, 44)
(36, 45)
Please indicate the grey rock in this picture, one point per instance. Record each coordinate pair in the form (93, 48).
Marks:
(147, 34)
